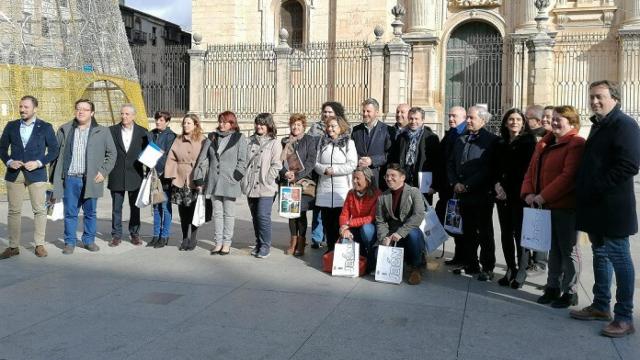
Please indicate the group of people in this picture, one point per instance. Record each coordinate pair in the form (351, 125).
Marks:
(371, 184)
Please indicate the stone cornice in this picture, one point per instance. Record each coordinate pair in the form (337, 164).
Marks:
(584, 16)
(465, 4)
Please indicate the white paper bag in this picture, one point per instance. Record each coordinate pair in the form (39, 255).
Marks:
(433, 231)
(389, 264)
(425, 179)
(346, 259)
(536, 229)
(56, 211)
(289, 201)
(452, 217)
(144, 194)
(199, 214)
(150, 155)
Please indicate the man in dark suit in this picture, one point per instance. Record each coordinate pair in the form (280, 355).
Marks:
(126, 176)
(471, 172)
(372, 139)
(27, 145)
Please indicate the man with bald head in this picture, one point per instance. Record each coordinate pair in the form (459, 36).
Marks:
(402, 119)
(457, 119)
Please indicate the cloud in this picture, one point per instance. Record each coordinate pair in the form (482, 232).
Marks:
(175, 11)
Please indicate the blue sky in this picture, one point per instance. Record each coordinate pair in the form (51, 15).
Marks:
(176, 11)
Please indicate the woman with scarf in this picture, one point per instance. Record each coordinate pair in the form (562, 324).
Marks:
(180, 169)
(515, 152)
(336, 160)
(259, 184)
(418, 151)
(221, 165)
(299, 158)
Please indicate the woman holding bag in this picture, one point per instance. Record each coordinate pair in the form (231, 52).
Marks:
(179, 168)
(550, 182)
(299, 158)
(259, 183)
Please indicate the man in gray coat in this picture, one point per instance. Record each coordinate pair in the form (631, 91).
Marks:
(87, 155)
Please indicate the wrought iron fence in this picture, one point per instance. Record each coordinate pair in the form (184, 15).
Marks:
(330, 71)
(240, 78)
(164, 77)
(629, 45)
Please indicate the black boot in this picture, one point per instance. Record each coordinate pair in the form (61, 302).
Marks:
(184, 245)
(162, 242)
(550, 295)
(565, 301)
(508, 277)
(153, 242)
(193, 240)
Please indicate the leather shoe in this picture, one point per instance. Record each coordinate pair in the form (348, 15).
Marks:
(162, 242)
(41, 251)
(153, 242)
(114, 242)
(415, 277)
(184, 245)
(92, 247)
(618, 329)
(68, 249)
(469, 270)
(589, 313)
(135, 240)
(9, 252)
(453, 262)
(550, 295)
(485, 276)
(565, 301)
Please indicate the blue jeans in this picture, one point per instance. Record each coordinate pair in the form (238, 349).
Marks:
(261, 216)
(612, 255)
(162, 217)
(413, 245)
(73, 199)
(366, 236)
(317, 232)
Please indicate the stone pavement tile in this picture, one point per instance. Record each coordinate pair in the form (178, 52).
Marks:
(207, 340)
(628, 347)
(169, 301)
(489, 335)
(360, 329)
(270, 311)
(35, 300)
(82, 335)
(20, 268)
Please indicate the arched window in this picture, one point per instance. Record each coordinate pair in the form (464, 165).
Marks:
(292, 19)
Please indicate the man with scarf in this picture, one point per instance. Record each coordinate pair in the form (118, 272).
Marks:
(372, 138)
(418, 151)
(87, 156)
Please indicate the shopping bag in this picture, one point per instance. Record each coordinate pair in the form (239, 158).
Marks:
(327, 263)
(433, 231)
(55, 211)
(144, 194)
(199, 214)
(536, 229)
(289, 202)
(452, 217)
(346, 259)
(157, 194)
(389, 264)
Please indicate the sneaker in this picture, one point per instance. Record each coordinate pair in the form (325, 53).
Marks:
(565, 301)
(255, 251)
(9, 252)
(550, 295)
(589, 313)
(68, 249)
(92, 247)
(485, 276)
(263, 256)
(618, 329)
(41, 251)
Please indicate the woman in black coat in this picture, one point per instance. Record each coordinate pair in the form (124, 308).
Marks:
(515, 153)
(299, 158)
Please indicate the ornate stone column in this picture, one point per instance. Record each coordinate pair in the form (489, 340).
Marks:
(528, 11)
(283, 83)
(196, 76)
(541, 61)
(419, 20)
(396, 78)
(377, 65)
(632, 17)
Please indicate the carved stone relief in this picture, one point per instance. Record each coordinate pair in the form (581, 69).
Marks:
(474, 3)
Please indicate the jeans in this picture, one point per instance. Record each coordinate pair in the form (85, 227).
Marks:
(224, 218)
(413, 245)
(162, 217)
(317, 232)
(612, 255)
(73, 199)
(261, 217)
(366, 236)
(117, 198)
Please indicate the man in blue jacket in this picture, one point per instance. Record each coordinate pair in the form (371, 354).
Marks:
(372, 139)
(606, 206)
(27, 145)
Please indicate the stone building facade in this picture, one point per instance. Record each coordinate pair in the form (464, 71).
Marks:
(439, 53)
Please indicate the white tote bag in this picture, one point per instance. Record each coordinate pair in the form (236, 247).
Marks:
(389, 264)
(289, 201)
(536, 229)
(452, 217)
(199, 214)
(346, 259)
(433, 231)
(56, 211)
(144, 194)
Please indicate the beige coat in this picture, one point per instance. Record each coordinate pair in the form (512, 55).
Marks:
(181, 160)
(263, 168)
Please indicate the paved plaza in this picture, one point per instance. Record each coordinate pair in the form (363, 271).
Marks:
(141, 303)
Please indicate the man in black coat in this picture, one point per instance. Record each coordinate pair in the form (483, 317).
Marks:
(126, 176)
(472, 173)
(606, 206)
(372, 139)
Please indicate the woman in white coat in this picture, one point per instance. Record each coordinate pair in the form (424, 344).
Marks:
(336, 160)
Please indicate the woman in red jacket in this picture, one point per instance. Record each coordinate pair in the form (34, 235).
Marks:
(550, 182)
(359, 213)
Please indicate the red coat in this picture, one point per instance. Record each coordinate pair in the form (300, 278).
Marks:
(552, 170)
(359, 211)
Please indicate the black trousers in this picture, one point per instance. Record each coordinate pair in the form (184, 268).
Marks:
(477, 226)
(330, 225)
(117, 200)
(510, 217)
(186, 217)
